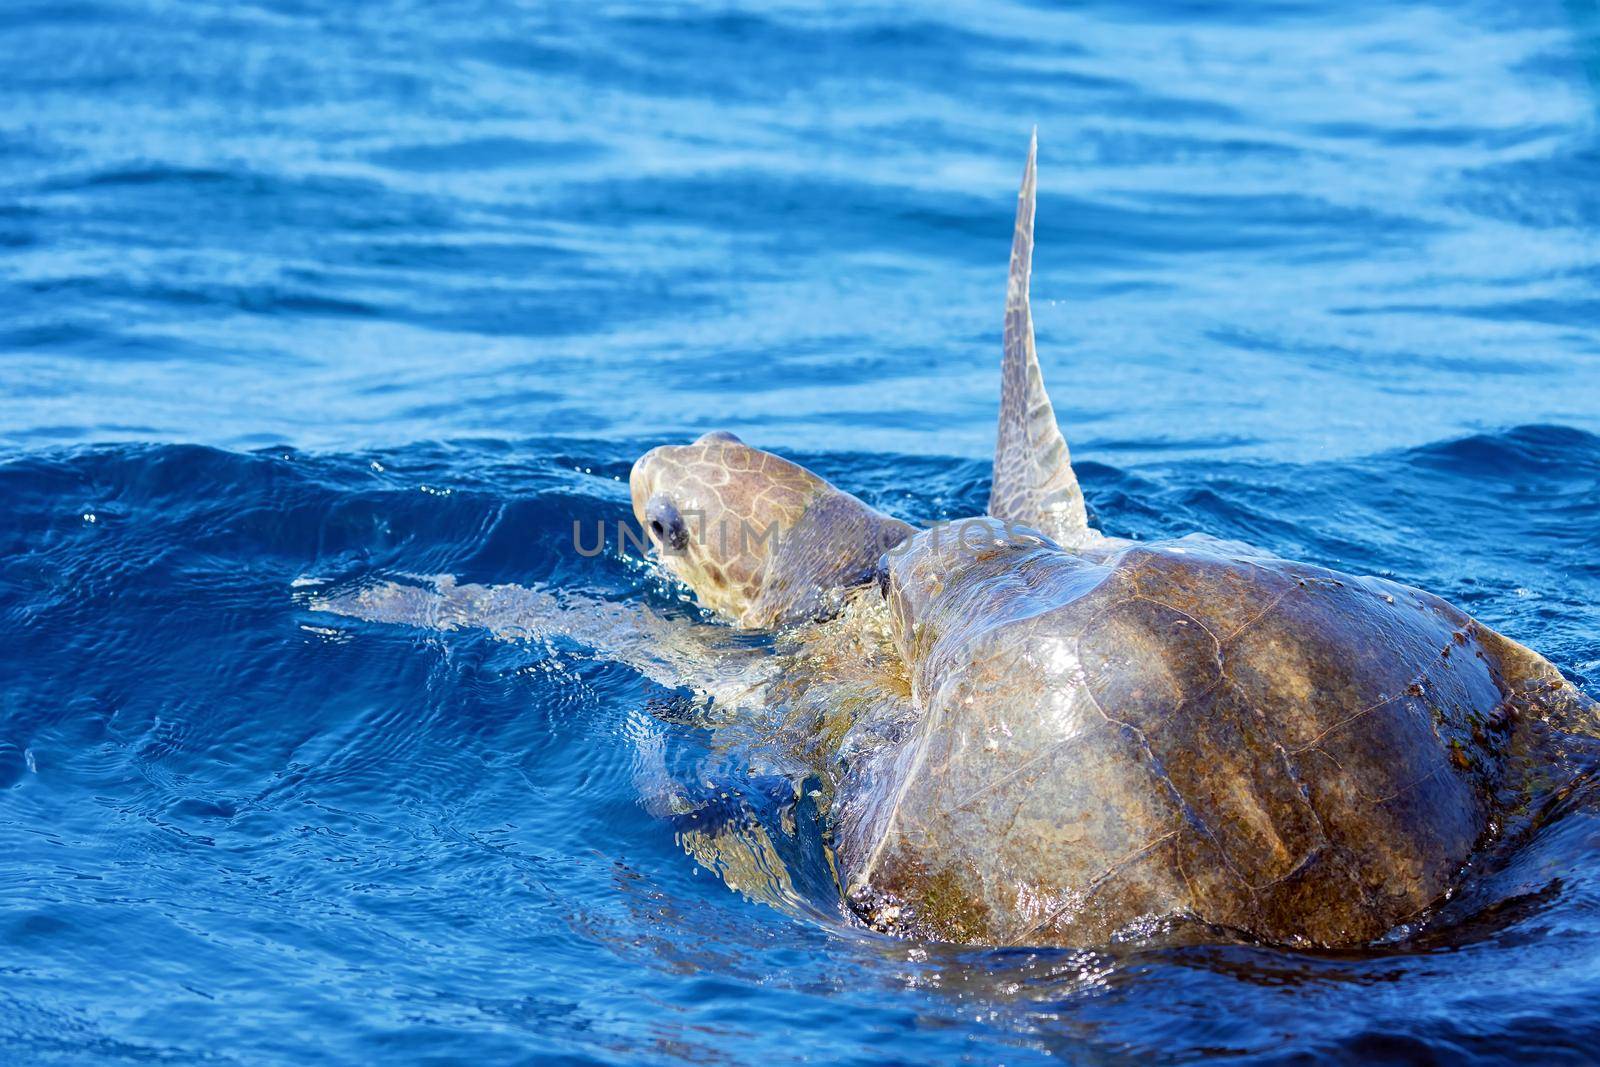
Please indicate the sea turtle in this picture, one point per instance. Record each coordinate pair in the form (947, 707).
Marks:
(1031, 733)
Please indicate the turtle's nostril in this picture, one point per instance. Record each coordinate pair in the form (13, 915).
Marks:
(666, 525)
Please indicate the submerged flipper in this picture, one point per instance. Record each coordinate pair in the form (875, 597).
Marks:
(1033, 480)
(706, 658)
(741, 808)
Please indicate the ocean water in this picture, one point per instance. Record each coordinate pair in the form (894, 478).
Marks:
(300, 296)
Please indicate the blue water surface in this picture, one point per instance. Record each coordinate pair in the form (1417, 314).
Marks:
(299, 293)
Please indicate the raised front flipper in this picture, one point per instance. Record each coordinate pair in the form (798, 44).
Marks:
(1033, 480)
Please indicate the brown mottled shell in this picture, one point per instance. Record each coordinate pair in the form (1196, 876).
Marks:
(1181, 729)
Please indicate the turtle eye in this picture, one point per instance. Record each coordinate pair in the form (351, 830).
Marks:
(666, 525)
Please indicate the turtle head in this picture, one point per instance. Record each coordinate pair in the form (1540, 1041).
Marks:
(759, 539)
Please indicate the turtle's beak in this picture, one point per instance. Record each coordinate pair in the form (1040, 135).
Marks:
(642, 484)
